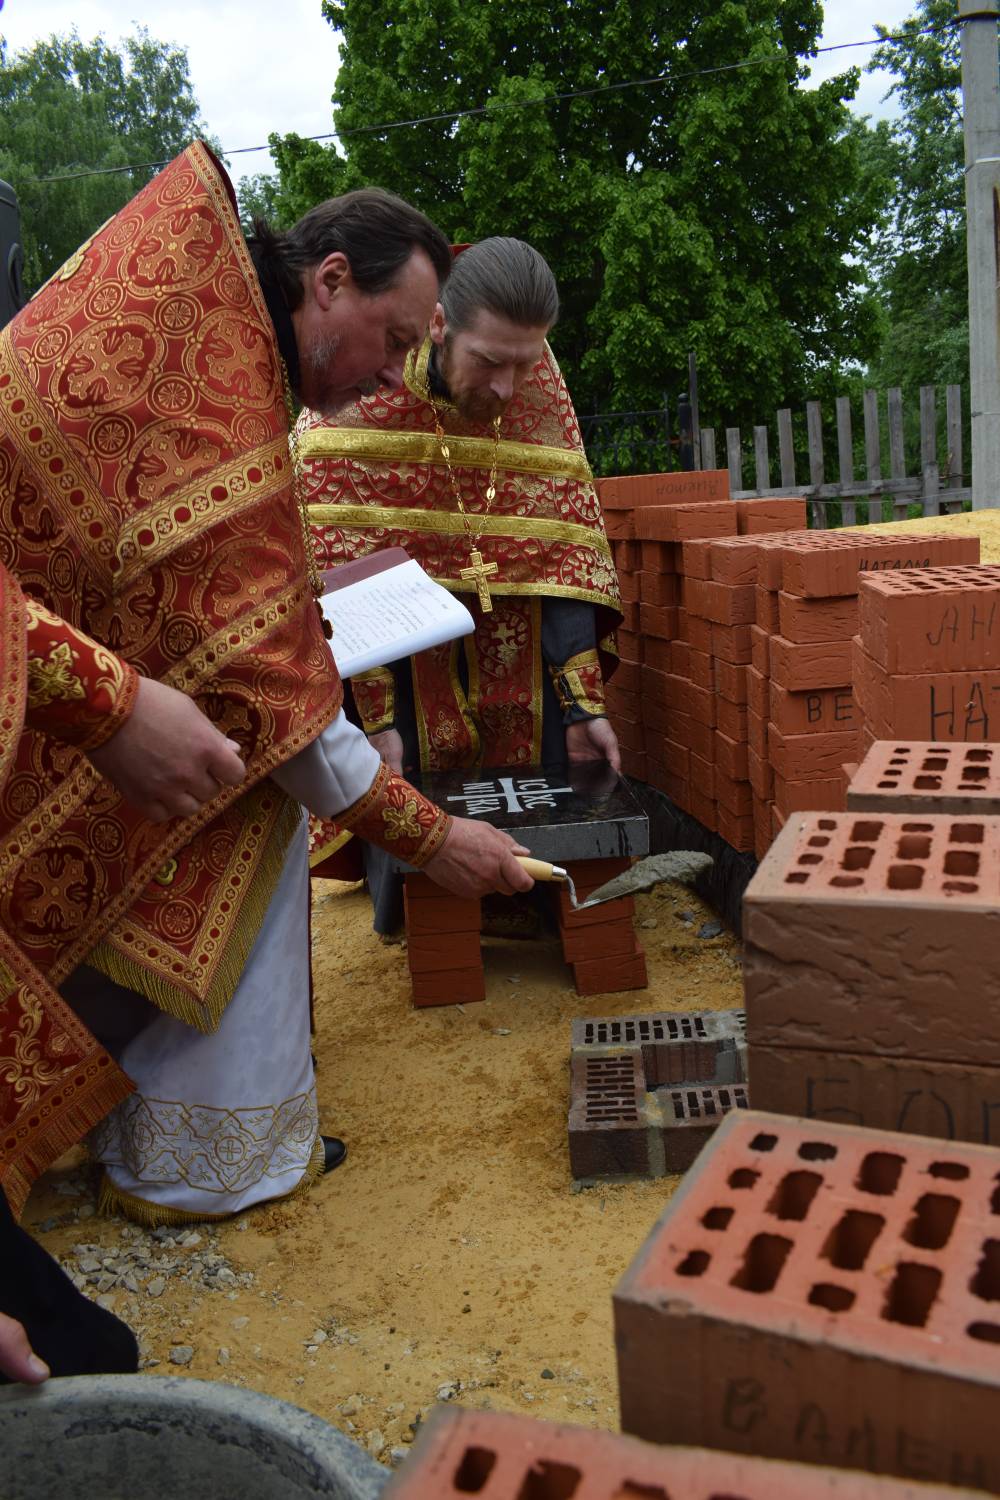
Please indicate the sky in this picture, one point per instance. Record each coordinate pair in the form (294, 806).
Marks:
(258, 67)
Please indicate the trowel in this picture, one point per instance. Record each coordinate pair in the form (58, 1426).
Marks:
(684, 865)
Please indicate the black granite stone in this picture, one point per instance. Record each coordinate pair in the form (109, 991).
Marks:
(559, 812)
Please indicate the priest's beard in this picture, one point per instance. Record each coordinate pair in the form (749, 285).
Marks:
(317, 361)
(474, 405)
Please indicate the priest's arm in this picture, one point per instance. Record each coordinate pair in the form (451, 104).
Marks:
(569, 646)
(342, 776)
(151, 741)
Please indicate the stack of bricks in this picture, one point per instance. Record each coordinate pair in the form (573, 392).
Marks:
(926, 659)
(823, 1293)
(500, 1456)
(916, 777)
(871, 959)
(647, 1091)
(600, 944)
(442, 944)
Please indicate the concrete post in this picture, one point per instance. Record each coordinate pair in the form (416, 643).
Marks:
(981, 97)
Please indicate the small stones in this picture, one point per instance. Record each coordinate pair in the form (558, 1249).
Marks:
(222, 1358)
(156, 1287)
(181, 1354)
(548, 1374)
(375, 1442)
(396, 1457)
(710, 929)
(448, 1391)
(240, 1322)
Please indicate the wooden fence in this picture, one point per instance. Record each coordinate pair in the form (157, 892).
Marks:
(939, 488)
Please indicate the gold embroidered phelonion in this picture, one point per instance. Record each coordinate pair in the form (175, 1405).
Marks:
(478, 571)
(298, 491)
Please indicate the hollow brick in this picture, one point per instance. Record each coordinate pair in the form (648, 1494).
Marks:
(820, 1292)
(932, 619)
(922, 776)
(832, 562)
(953, 706)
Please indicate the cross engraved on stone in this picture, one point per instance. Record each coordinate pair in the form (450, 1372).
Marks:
(515, 796)
(479, 572)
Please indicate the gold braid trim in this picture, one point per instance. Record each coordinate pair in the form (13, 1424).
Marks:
(206, 1015)
(375, 699)
(414, 519)
(115, 1200)
(318, 855)
(580, 684)
(425, 448)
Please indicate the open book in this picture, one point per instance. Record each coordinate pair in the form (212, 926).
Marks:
(385, 607)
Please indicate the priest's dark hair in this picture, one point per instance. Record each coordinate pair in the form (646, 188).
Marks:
(506, 277)
(377, 232)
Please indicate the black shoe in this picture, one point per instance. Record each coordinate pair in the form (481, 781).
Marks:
(334, 1152)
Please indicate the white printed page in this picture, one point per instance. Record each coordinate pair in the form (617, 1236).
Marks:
(390, 615)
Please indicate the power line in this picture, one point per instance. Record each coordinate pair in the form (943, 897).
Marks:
(495, 107)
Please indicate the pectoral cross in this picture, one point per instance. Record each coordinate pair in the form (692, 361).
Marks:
(479, 572)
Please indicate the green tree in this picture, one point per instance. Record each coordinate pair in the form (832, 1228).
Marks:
(717, 208)
(67, 106)
(918, 260)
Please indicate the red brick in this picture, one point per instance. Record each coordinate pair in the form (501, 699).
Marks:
(693, 735)
(634, 765)
(832, 562)
(600, 976)
(618, 701)
(731, 642)
(658, 588)
(658, 717)
(826, 795)
(658, 557)
(445, 914)
(949, 1101)
(919, 776)
(675, 523)
(725, 603)
(817, 1291)
(734, 559)
(700, 668)
(932, 619)
(628, 584)
(696, 632)
(626, 492)
(731, 756)
(879, 906)
(758, 693)
(809, 757)
(630, 645)
(697, 703)
(946, 706)
(618, 525)
(679, 658)
(760, 650)
(803, 668)
(621, 909)
(448, 987)
(627, 676)
(610, 938)
(760, 775)
(773, 514)
(702, 775)
(630, 616)
(626, 554)
(630, 736)
(826, 710)
(730, 680)
(437, 951)
(658, 620)
(733, 793)
(731, 718)
(757, 735)
(588, 874)
(736, 828)
(702, 807)
(770, 558)
(761, 826)
(676, 758)
(696, 557)
(817, 619)
(767, 614)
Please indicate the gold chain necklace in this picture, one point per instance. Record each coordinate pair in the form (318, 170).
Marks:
(478, 571)
(298, 494)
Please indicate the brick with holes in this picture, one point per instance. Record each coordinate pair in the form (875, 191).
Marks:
(924, 776)
(932, 619)
(873, 933)
(824, 1293)
(824, 563)
(675, 1047)
(502, 1456)
(952, 706)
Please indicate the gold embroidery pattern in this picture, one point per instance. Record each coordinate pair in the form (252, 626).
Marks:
(164, 1142)
(580, 683)
(424, 448)
(401, 822)
(392, 813)
(52, 677)
(375, 698)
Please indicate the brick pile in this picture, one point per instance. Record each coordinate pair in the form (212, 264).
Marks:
(647, 1091)
(500, 1456)
(747, 714)
(871, 958)
(600, 945)
(442, 944)
(926, 661)
(824, 1293)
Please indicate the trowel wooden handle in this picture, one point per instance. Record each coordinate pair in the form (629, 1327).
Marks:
(540, 869)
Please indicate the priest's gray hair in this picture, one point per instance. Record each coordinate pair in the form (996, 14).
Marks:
(506, 277)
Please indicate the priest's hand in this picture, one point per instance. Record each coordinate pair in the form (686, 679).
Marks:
(593, 739)
(17, 1361)
(476, 858)
(389, 744)
(168, 759)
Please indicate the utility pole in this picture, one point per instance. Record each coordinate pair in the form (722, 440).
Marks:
(981, 107)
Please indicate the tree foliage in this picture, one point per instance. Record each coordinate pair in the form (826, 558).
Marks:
(68, 105)
(918, 260)
(722, 208)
